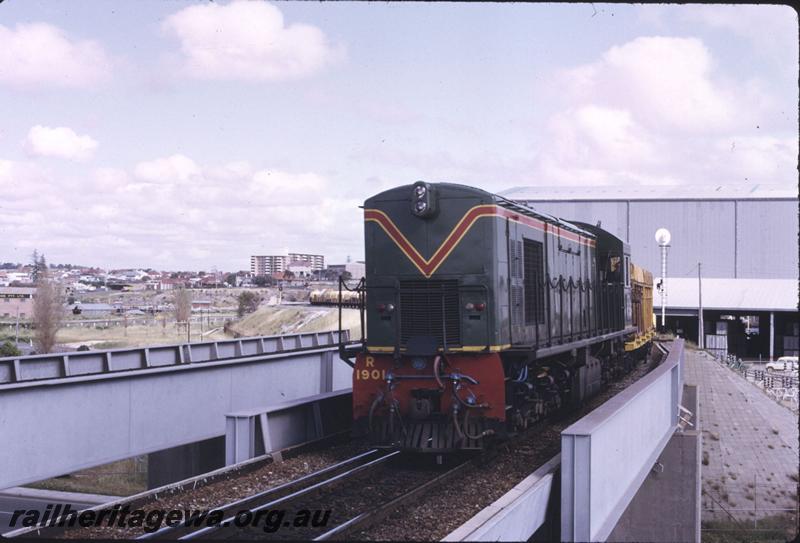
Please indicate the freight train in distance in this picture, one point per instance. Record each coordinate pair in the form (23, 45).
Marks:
(330, 296)
(483, 316)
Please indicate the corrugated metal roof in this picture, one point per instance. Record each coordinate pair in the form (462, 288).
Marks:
(732, 294)
(652, 192)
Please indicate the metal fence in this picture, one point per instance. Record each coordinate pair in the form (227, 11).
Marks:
(783, 388)
(757, 507)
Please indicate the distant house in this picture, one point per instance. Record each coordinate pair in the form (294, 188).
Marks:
(299, 268)
(170, 284)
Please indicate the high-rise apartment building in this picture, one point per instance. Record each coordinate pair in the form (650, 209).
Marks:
(315, 262)
(269, 264)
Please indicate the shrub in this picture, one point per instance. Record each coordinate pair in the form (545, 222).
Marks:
(9, 349)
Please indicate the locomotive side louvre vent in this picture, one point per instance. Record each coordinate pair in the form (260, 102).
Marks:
(430, 308)
(534, 279)
(516, 303)
(515, 248)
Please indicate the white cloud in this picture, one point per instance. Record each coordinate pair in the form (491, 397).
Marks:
(174, 169)
(174, 213)
(666, 80)
(248, 40)
(274, 188)
(19, 180)
(42, 54)
(759, 158)
(582, 134)
(59, 142)
(107, 179)
(656, 110)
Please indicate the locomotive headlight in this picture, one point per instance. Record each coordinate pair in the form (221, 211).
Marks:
(423, 199)
(470, 306)
(389, 308)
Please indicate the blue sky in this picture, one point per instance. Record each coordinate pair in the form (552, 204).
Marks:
(184, 135)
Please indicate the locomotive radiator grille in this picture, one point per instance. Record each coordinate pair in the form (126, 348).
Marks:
(430, 308)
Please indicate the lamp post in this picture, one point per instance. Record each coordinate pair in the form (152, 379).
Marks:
(662, 238)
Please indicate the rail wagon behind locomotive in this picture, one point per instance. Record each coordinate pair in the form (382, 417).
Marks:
(484, 315)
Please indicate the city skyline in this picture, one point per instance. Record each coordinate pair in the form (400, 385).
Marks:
(129, 142)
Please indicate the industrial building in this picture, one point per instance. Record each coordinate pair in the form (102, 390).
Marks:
(16, 302)
(357, 270)
(270, 264)
(745, 238)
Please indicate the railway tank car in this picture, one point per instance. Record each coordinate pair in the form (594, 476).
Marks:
(483, 316)
(329, 296)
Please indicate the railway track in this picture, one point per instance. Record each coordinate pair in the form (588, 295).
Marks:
(355, 502)
(338, 501)
(327, 504)
(273, 497)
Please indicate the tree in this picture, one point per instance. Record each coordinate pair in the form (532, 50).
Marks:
(182, 300)
(231, 279)
(9, 349)
(38, 264)
(48, 310)
(263, 280)
(248, 302)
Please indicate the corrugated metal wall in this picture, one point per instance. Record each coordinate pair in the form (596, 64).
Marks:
(767, 238)
(702, 230)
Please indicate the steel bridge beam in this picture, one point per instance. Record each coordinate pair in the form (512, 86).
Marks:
(53, 426)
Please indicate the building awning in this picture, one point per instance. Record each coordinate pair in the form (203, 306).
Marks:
(729, 294)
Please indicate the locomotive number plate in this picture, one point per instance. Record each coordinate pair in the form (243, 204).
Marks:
(369, 372)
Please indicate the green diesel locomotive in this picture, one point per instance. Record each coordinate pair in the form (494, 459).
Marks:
(484, 315)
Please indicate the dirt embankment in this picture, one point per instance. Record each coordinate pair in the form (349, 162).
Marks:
(279, 320)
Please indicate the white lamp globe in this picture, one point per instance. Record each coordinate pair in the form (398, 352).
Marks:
(663, 236)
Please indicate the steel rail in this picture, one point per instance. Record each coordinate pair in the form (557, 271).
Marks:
(229, 521)
(380, 512)
(170, 532)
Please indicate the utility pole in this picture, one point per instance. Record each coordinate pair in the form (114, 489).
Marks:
(700, 335)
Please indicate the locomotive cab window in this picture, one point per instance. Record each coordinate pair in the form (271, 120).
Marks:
(614, 272)
(533, 281)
